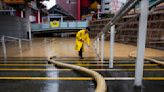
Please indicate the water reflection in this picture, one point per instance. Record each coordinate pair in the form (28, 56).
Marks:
(138, 89)
(51, 86)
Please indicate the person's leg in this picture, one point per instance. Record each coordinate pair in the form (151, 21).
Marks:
(81, 52)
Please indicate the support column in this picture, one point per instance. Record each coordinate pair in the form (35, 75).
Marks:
(27, 14)
(61, 18)
(39, 17)
(141, 43)
(22, 14)
(102, 47)
(48, 19)
(112, 34)
(78, 9)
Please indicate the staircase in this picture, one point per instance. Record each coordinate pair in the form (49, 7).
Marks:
(36, 75)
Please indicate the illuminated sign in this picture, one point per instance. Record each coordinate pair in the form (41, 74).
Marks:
(14, 1)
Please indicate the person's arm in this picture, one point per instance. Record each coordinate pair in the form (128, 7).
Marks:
(88, 40)
(79, 36)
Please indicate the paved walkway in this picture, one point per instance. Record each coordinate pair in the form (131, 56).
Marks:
(41, 76)
(64, 47)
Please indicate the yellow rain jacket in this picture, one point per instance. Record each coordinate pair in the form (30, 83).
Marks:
(81, 36)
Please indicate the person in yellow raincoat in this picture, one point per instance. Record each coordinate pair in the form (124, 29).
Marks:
(82, 37)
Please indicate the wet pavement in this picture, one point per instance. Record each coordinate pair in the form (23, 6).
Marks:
(27, 70)
(77, 86)
(39, 76)
(46, 86)
(64, 47)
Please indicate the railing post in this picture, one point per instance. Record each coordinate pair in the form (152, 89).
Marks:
(20, 47)
(61, 19)
(98, 13)
(98, 45)
(20, 44)
(95, 45)
(141, 43)
(27, 14)
(102, 47)
(4, 47)
(112, 34)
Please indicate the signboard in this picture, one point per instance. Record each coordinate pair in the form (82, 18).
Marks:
(14, 1)
(54, 23)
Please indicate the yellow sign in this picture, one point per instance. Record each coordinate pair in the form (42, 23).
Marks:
(14, 1)
(54, 23)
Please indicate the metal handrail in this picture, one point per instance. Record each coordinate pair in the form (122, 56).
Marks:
(141, 37)
(7, 10)
(15, 38)
(120, 14)
(3, 40)
(155, 3)
(129, 5)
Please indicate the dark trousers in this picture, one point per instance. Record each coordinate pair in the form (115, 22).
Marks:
(81, 52)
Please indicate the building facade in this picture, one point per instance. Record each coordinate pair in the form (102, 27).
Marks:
(78, 8)
(105, 6)
(70, 6)
(17, 16)
(111, 5)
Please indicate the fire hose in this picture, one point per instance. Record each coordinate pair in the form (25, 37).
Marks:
(101, 84)
(132, 55)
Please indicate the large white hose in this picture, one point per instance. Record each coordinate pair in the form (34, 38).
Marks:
(101, 84)
(132, 55)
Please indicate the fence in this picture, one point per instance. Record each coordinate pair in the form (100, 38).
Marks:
(60, 25)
